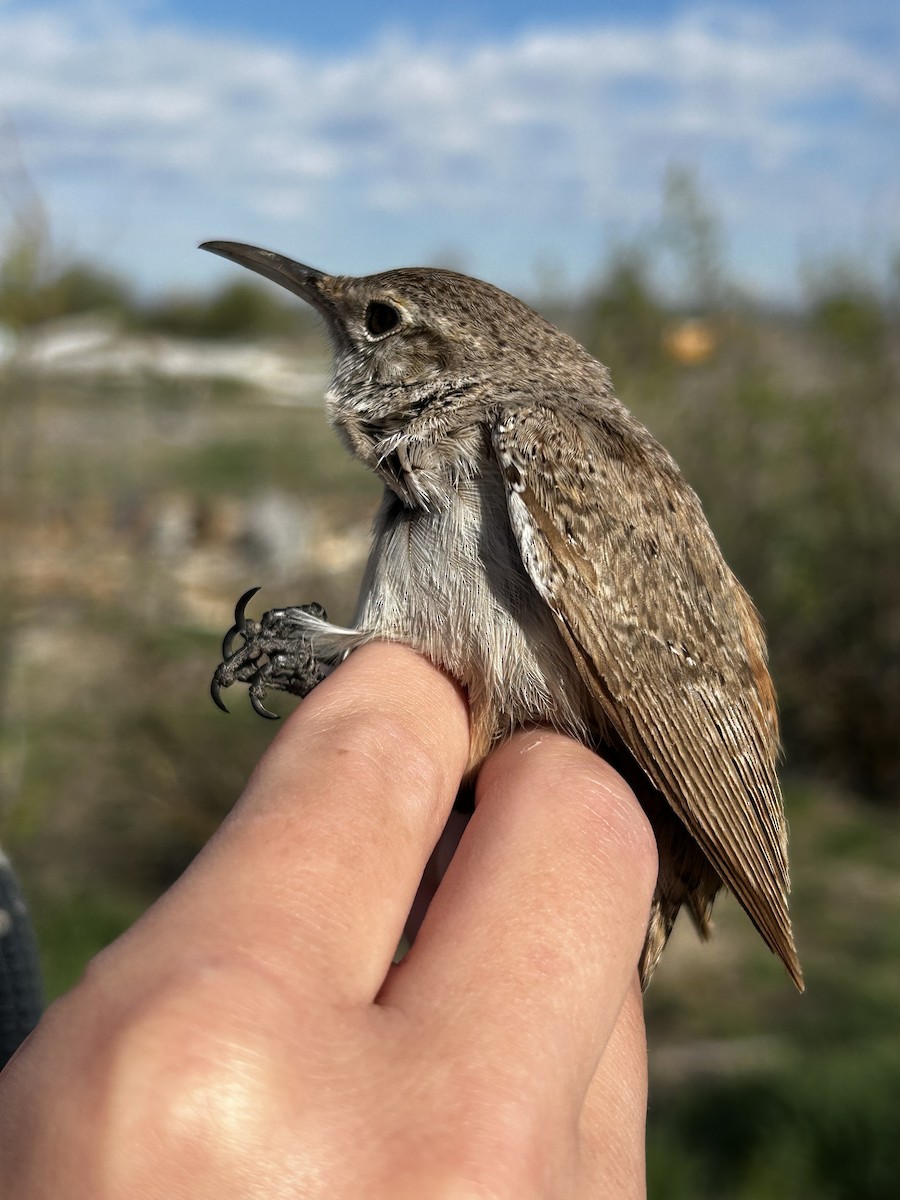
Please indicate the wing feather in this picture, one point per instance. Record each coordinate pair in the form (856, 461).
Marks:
(665, 637)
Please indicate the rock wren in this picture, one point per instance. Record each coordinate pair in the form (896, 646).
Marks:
(537, 543)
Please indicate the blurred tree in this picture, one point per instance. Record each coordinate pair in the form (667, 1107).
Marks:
(237, 309)
(34, 289)
(81, 287)
(625, 320)
(847, 311)
(844, 530)
(690, 232)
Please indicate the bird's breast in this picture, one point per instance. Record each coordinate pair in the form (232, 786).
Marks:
(450, 581)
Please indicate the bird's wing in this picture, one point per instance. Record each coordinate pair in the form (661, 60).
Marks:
(666, 639)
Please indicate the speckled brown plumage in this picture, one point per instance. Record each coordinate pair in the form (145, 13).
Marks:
(538, 543)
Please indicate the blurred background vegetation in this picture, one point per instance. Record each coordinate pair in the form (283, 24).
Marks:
(160, 457)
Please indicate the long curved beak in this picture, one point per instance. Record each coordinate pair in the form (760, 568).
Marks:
(303, 281)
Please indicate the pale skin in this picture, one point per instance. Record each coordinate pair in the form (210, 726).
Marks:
(249, 1037)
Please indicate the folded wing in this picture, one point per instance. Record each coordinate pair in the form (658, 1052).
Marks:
(665, 637)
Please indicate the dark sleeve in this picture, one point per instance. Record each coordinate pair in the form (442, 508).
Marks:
(21, 988)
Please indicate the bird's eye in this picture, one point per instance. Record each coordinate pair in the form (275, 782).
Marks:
(381, 318)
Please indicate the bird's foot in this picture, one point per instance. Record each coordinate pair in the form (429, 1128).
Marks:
(277, 652)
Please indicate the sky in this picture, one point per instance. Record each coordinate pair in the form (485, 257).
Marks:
(517, 140)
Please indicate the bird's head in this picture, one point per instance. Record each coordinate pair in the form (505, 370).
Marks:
(416, 331)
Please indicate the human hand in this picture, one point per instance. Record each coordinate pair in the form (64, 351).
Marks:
(249, 1037)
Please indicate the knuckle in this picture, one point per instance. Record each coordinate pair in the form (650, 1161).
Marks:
(487, 1146)
(626, 829)
(179, 1063)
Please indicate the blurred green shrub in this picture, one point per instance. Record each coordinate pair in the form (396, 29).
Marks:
(32, 291)
(847, 312)
(34, 288)
(624, 320)
(235, 310)
(821, 1125)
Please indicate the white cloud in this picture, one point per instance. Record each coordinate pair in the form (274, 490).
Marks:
(547, 130)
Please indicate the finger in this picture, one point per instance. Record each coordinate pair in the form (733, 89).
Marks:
(318, 864)
(614, 1118)
(532, 939)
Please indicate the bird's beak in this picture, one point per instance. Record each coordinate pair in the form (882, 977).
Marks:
(301, 280)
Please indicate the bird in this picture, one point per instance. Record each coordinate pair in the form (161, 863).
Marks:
(535, 541)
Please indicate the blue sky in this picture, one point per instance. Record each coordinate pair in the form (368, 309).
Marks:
(345, 24)
(326, 26)
(513, 138)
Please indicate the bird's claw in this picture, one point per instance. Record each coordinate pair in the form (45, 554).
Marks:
(275, 653)
(215, 691)
(240, 622)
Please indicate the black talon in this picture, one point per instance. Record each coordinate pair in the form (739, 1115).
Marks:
(242, 604)
(214, 691)
(260, 709)
(240, 622)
